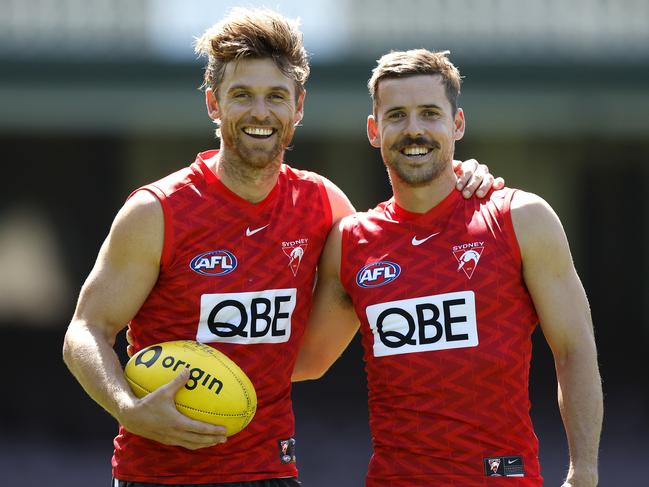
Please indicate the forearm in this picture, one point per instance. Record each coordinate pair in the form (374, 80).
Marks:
(581, 406)
(310, 366)
(89, 355)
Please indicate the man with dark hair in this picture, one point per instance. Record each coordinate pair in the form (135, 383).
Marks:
(262, 223)
(448, 292)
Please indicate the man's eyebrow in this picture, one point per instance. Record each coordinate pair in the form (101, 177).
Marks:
(248, 87)
(427, 106)
(392, 109)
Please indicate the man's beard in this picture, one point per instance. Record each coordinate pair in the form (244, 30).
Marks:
(423, 175)
(258, 157)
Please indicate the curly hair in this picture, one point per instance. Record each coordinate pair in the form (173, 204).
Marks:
(257, 34)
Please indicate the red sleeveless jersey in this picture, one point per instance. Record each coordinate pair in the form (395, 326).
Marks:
(238, 276)
(446, 324)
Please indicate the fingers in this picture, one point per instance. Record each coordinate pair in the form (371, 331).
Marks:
(182, 430)
(130, 349)
(465, 172)
(476, 179)
(486, 184)
(202, 428)
(192, 440)
(477, 182)
(157, 416)
(200, 442)
(129, 336)
(188, 424)
(197, 434)
(171, 388)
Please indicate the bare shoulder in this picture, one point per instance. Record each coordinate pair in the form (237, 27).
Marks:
(339, 227)
(347, 221)
(330, 259)
(538, 228)
(138, 228)
(533, 217)
(340, 204)
(142, 207)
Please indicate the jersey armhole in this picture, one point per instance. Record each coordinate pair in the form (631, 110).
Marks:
(345, 232)
(167, 244)
(509, 225)
(328, 215)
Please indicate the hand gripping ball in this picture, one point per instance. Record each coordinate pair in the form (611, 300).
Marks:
(217, 391)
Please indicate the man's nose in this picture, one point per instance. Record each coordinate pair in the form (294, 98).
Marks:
(259, 108)
(413, 126)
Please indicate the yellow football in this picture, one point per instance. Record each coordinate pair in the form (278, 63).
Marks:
(217, 391)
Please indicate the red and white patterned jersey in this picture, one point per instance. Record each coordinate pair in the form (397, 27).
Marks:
(446, 324)
(239, 277)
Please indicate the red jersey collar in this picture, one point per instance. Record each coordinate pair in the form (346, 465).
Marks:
(213, 180)
(446, 205)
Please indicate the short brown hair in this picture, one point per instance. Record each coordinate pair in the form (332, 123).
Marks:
(399, 64)
(257, 34)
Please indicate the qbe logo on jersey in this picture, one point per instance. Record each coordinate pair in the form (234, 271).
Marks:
(254, 317)
(437, 322)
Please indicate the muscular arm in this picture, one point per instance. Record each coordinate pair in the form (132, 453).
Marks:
(564, 315)
(124, 274)
(332, 322)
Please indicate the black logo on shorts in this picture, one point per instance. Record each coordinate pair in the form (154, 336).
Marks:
(287, 450)
(504, 467)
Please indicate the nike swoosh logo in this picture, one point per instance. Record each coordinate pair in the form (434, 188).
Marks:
(252, 232)
(416, 241)
(509, 462)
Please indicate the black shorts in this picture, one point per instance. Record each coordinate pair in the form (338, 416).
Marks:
(285, 482)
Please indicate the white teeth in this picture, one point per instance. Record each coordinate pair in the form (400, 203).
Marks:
(258, 131)
(416, 150)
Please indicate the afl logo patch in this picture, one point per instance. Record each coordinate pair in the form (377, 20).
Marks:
(214, 263)
(377, 274)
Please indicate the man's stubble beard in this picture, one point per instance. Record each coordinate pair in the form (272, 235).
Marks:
(424, 175)
(257, 159)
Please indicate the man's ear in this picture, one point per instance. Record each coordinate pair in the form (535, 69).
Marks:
(212, 105)
(299, 108)
(373, 132)
(460, 124)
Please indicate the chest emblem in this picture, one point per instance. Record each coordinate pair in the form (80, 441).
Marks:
(214, 263)
(377, 274)
(295, 250)
(467, 256)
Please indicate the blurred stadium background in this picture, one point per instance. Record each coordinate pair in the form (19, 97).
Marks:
(100, 96)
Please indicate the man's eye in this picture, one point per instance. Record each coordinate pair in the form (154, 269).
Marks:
(396, 115)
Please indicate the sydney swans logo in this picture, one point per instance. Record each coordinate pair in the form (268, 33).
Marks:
(294, 250)
(467, 256)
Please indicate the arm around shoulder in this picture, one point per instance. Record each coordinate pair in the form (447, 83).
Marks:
(332, 322)
(340, 204)
(564, 315)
